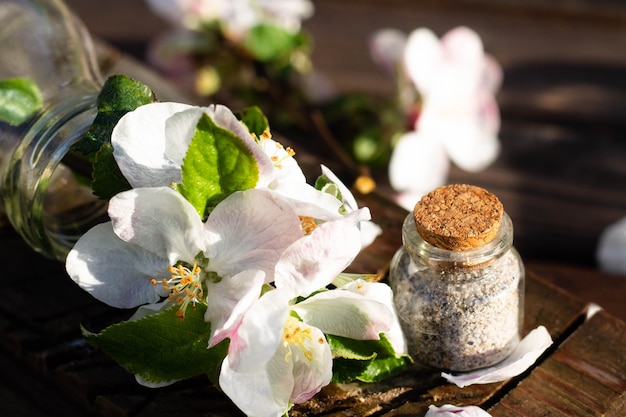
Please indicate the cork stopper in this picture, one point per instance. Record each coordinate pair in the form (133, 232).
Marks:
(458, 217)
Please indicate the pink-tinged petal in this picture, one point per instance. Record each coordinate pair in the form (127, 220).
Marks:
(308, 201)
(345, 313)
(228, 301)
(462, 47)
(139, 143)
(491, 76)
(312, 365)
(419, 164)
(382, 293)
(113, 271)
(259, 333)
(422, 59)
(159, 220)
(525, 354)
(387, 49)
(448, 410)
(250, 230)
(313, 261)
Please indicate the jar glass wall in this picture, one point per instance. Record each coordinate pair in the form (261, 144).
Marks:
(43, 193)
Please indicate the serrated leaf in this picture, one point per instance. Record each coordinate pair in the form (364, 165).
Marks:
(365, 360)
(119, 95)
(375, 370)
(161, 347)
(108, 180)
(216, 164)
(20, 99)
(255, 120)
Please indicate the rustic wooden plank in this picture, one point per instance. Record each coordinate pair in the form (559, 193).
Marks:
(586, 376)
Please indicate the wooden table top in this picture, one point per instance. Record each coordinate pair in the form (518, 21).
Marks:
(561, 178)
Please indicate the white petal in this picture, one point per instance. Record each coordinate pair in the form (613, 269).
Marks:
(348, 199)
(179, 130)
(524, 355)
(469, 144)
(382, 293)
(419, 164)
(259, 333)
(422, 59)
(223, 117)
(250, 230)
(345, 313)
(113, 271)
(159, 220)
(611, 250)
(369, 232)
(448, 410)
(138, 142)
(313, 261)
(254, 393)
(228, 300)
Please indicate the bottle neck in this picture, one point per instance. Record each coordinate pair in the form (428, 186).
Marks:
(49, 203)
(425, 254)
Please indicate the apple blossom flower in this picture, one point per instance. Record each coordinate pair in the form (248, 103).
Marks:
(236, 17)
(457, 119)
(276, 360)
(156, 245)
(150, 143)
(278, 354)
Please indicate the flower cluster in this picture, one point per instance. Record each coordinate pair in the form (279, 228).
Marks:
(446, 88)
(233, 259)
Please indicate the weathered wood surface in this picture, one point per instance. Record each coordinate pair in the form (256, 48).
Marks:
(42, 311)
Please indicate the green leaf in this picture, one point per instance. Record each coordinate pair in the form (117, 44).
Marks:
(119, 95)
(162, 347)
(269, 42)
(108, 180)
(365, 360)
(375, 370)
(255, 120)
(20, 99)
(217, 164)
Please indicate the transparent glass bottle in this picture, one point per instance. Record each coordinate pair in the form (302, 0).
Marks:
(459, 293)
(40, 188)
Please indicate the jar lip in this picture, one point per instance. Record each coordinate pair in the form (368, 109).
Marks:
(417, 246)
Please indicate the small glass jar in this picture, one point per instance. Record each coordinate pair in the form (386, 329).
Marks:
(42, 192)
(458, 288)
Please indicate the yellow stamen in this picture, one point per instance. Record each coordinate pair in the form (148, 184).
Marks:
(308, 224)
(184, 286)
(295, 336)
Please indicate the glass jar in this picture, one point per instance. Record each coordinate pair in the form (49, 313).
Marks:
(458, 289)
(41, 190)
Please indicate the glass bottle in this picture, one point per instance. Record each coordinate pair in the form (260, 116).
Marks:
(458, 282)
(41, 191)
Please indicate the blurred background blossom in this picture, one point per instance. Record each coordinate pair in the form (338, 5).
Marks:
(256, 53)
(446, 90)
